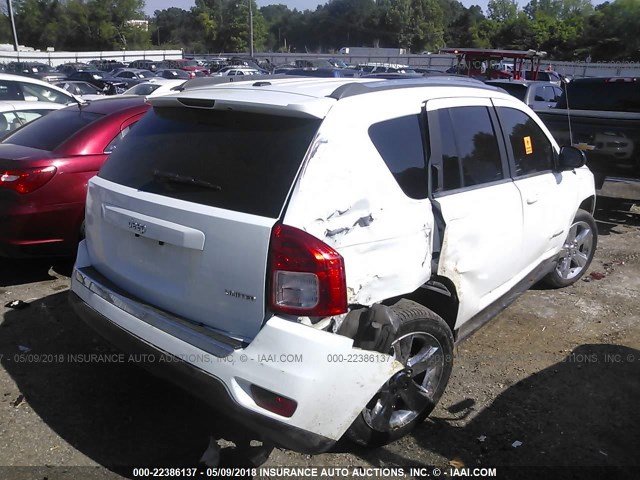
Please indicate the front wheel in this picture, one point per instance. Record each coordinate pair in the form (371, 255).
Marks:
(424, 345)
(577, 252)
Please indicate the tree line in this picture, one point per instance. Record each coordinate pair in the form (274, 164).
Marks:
(565, 29)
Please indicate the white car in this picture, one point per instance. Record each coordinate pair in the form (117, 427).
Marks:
(154, 87)
(13, 115)
(237, 70)
(303, 253)
(17, 87)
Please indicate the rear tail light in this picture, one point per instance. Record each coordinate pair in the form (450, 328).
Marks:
(307, 275)
(26, 180)
(273, 402)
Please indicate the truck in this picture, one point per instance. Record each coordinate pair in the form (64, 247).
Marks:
(373, 51)
(600, 116)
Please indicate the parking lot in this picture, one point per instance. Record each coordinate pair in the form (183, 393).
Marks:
(552, 381)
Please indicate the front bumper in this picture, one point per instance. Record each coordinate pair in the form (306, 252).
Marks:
(329, 379)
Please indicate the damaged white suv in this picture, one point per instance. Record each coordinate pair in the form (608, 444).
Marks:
(303, 253)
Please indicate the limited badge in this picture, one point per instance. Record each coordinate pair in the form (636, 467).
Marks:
(528, 146)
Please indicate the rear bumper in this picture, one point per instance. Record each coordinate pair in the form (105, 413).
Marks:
(199, 383)
(329, 379)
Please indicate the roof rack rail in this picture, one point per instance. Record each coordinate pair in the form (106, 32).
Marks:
(400, 81)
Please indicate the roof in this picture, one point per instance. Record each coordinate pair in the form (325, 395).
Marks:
(510, 81)
(488, 52)
(302, 96)
(111, 104)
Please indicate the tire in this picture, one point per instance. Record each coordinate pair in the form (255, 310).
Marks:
(422, 332)
(577, 252)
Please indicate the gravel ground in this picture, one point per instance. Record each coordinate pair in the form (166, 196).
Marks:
(553, 381)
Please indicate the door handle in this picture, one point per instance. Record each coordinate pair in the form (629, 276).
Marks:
(532, 200)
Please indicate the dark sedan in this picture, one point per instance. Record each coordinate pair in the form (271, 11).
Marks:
(108, 84)
(173, 74)
(44, 169)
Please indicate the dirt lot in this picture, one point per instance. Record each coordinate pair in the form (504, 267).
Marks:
(558, 373)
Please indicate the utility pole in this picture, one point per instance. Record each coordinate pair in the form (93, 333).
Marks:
(250, 28)
(13, 26)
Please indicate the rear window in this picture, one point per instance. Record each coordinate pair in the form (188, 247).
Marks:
(616, 96)
(143, 89)
(514, 89)
(233, 160)
(49, 132)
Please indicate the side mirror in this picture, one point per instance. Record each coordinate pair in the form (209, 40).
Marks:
(571, 157)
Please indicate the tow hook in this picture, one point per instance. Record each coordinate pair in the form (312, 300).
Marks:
(400, 381)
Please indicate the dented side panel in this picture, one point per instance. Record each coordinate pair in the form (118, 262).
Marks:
(347, 197)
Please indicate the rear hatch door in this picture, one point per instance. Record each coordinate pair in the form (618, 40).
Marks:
(181, 213)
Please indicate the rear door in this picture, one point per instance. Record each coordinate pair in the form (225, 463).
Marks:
(480, 205)
(181, 213)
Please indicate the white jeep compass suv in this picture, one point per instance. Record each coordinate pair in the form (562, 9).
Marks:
(303, 253)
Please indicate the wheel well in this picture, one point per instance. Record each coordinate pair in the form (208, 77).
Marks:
(439, 295)
(589, 204)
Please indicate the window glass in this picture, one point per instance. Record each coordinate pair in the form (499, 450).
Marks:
(41, 93)
(470, 154)
(113, 144)
(24, 117)
(7, 119)
(53, 129)
(515, 89)
(549, 94)
(451, 170)
(598, 94)
(233, 160)
(143, 89)
(399, 142)
(532, 150)
(10, 91)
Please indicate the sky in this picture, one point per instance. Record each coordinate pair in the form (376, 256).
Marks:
(153, 5)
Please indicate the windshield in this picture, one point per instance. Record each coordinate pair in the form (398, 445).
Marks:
(85, 87)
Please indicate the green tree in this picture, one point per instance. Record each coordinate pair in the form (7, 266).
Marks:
(502, 10)
(234, 32)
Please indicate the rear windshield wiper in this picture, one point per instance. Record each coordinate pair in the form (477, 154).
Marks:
(185, 180)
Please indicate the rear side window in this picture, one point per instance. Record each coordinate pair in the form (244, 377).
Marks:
(399, 142)
(532, 150)
(10, 91)
(233, 160)
(615, 95)
(53, 129)
(469, 148)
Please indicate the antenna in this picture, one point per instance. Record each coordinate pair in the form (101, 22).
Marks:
(566, 96)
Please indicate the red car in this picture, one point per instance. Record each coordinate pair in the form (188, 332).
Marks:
(189, 66)
(44, 169)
